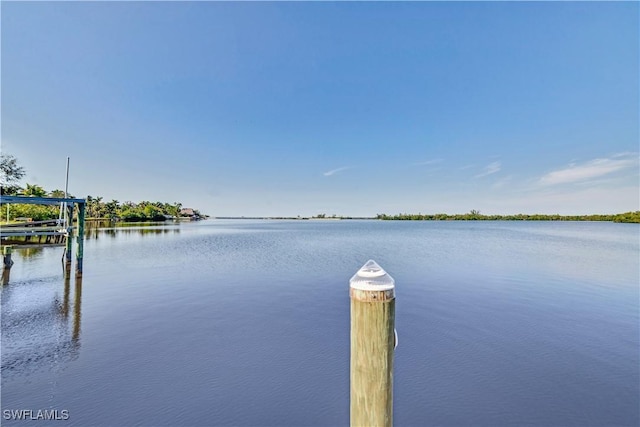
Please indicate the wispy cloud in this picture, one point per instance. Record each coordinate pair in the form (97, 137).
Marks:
(491, 168)
(334, 171)
(427, 162)
(501, 183)
(590, 170)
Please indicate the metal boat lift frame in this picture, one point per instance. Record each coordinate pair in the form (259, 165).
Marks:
(69, 203)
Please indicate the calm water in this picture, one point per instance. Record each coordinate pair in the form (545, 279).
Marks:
(239, 323)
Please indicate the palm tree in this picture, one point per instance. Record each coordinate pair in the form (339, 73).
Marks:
(34, 190)
(111, 209)
(99, 207)
(176, 208)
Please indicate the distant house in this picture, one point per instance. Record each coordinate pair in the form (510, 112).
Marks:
(189, 213)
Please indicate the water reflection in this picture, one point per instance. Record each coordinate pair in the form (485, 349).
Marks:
(95, 229)
(40, 331)
(30, 252)
(77, 312)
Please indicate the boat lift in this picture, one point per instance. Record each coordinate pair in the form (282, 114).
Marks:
(49, 228)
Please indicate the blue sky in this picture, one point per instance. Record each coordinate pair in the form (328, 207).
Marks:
(358, 108)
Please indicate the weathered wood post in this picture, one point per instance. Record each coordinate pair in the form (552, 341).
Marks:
(80, 239)
(372, 293)
(67, 252)
(7, 262)
(6, 257)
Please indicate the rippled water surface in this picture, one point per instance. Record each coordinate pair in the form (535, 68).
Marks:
(240, 323)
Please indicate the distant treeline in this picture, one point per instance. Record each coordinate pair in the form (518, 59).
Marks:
(130, 211)
(11, 173)
(477, 216)
(95, 208)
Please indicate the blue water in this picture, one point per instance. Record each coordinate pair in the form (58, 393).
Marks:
(246, 323)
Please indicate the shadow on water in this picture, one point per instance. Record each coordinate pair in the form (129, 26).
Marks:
(39, 330)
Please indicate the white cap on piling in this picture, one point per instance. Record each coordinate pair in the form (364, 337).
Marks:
(372, 277)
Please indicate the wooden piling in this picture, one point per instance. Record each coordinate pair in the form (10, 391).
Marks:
(80, 239)
(372, 293)
(69, 238)
(7, 262)
(6, 257)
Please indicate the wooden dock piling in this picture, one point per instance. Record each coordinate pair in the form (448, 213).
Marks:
(67, 253)
(7, 262)
(80, 239)
(372, 293)
(6, 257)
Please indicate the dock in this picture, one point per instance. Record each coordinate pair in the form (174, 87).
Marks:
(53, 231)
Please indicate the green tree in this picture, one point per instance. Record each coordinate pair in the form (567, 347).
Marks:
(35, 212)
(10, 174)
(99, 207)
(177, 207)
(627, 217)
(473, 214)
(153, 213)
(34, 190)
(111, 209)
(95, 207)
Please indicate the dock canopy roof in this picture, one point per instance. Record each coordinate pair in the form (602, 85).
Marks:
(29, 200)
